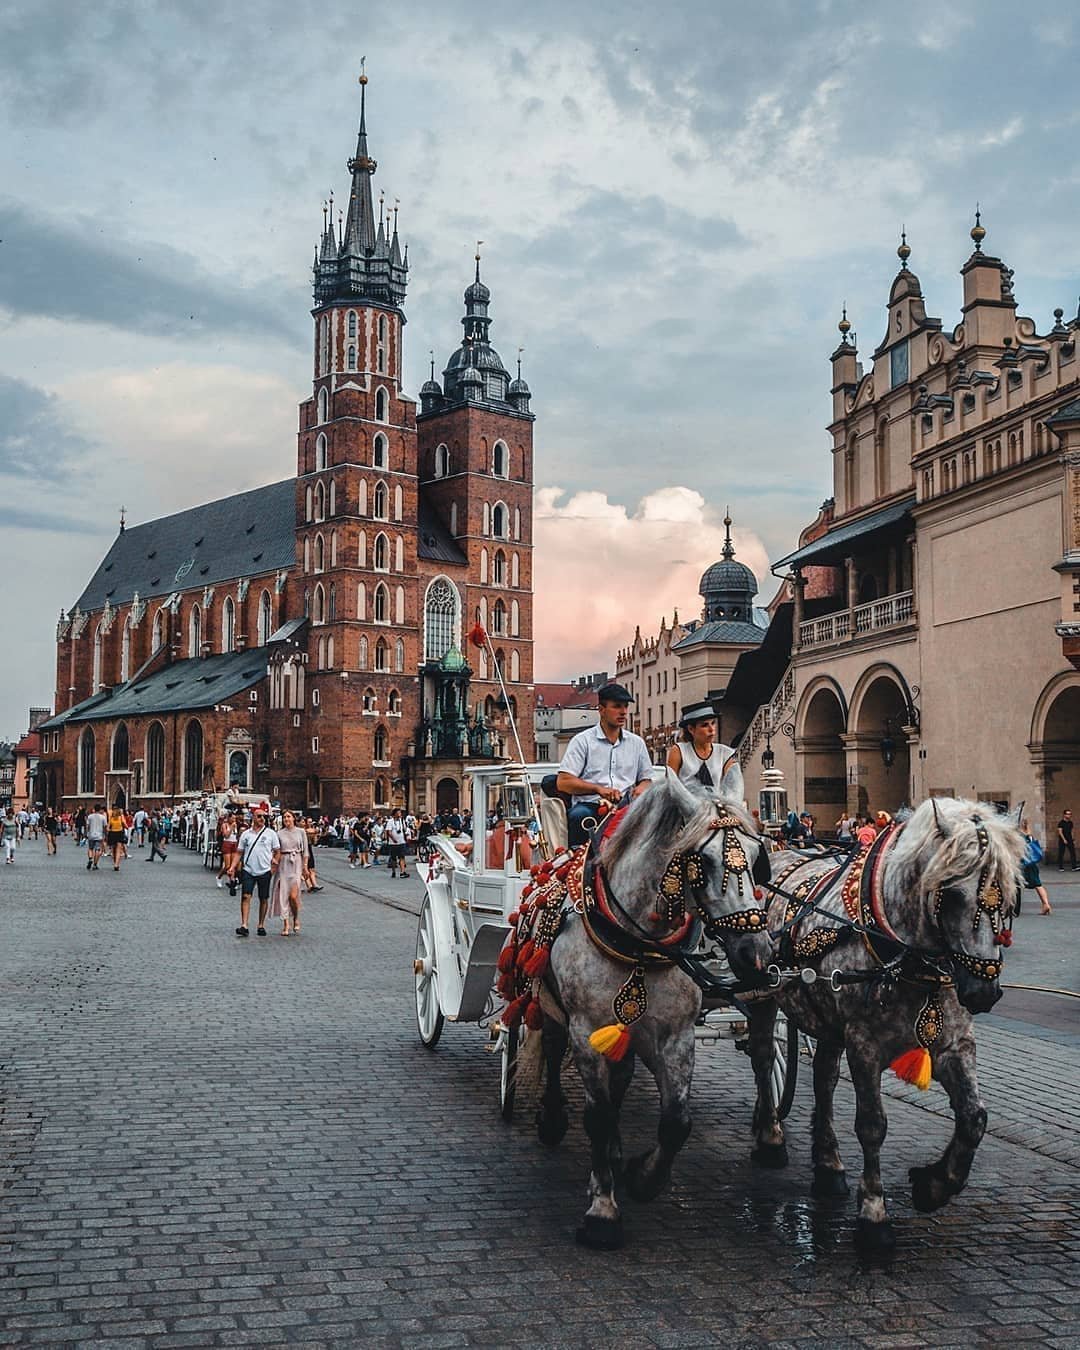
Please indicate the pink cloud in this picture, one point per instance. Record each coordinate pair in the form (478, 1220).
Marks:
(601, 568)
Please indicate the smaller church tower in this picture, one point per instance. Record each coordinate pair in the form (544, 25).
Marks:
(728, 587)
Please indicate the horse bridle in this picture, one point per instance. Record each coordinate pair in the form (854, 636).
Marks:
(989, 901)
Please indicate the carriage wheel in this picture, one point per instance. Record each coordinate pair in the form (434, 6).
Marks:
(429, 1017)
(785, 1065)
(508, 1073)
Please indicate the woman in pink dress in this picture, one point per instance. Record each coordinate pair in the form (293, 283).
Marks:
(285, 895)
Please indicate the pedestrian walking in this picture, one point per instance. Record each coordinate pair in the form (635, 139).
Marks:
(80, 825)
(227, 839)
(845, 829)
(140, 820)
(285, 900)
(9, 834)
(51, 826)
(866, 832)
(157, 839)
(311, 830)
(1029, 866)
(260, 851)
(116, 830)
(96, 826)
(395, 835)
(1066, 843)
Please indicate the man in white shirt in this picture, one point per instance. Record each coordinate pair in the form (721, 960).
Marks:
(140, 826)
(259, 849)
(604, 762)
(395, 837)
(96, 824)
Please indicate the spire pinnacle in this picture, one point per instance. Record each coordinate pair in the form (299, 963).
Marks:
(904, 251)
(845, 324)
(431, 353)
(123, 519)
(729, 548)
(520, 350)
(978, 233)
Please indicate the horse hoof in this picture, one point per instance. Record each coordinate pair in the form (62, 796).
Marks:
(551, 1129)
(874, 1239)
(930, 1187)
(642, 1184)
(604, 1235)
(769, 1155)
(829, 1184)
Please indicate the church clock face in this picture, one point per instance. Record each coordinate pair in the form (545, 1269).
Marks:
(184, 569)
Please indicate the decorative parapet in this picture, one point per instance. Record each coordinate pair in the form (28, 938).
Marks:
(769, 715)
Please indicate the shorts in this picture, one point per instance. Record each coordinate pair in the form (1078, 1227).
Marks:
(92, 843)
(228, 847)
(116, 837)
(249, 884)
(397, 854)
(1032, 879)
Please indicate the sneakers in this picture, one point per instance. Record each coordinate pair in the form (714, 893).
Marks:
(218, 883)
(241, 932)
(260, 932)
(89, 864)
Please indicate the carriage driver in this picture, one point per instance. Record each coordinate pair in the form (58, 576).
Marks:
(603, 762)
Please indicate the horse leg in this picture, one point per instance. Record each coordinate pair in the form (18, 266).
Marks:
(873, 1230)
(602, 1225)
(552, 1121)
(935, 1185)
(829, 1176)
(671, 1061)
(620, 1073)
(769, 1150)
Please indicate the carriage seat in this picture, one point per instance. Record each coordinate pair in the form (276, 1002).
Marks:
(553, 807)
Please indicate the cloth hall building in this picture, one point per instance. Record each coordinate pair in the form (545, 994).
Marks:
(305, 639)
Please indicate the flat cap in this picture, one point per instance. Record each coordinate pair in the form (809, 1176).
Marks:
(613, 693)
(697, 713)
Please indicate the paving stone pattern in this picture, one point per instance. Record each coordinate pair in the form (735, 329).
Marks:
(206, 1141)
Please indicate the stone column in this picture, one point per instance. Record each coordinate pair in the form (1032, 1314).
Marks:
(798, 587)
(852, 591)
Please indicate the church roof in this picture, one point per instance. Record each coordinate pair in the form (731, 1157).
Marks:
(433, 539)
(196, 683)
(728, 632)
(244, 535)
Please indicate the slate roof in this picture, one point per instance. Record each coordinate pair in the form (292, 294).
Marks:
(563, 696)
(195, 683)
(1069, 413)
(238, 536)
(433, 539)
(728, 631)
(831, 545)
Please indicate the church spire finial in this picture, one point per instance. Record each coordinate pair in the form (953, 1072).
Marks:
(729, 547)
(904, 251)
(479, 242)
(978, 232)
(123, 519)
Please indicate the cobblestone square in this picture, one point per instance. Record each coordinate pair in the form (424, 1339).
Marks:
(206, 1141)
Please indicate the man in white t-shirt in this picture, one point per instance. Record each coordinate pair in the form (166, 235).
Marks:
(140, 826)
(395, 837)
(259, 849)
(96, 823)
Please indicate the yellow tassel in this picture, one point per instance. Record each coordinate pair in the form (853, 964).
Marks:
(913, 1066)
(611, 1041)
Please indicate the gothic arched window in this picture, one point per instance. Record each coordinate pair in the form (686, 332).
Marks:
(125, 652)
(352, 357)
(442, 461)
(320, 553)
(228, 625)
(498, 619)
(500, 460)
(195, 631)
(352, 323)
(87, 762)
(193, 756)
(379, 501)
(382, 742)
(382, 655)
(382, 604)
(499, 520)
(399, 656)
(120, 747)
(324, 404)
(265, 618)
(320, 452)
(155, 758)
(318, 609)
(498, 571)
(380, 554)
(442, 618)
(380, 451)
(362, 657)
(382, 405)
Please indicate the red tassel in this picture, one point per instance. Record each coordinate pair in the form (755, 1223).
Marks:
(524, 954)
(758, 893)
(504, 986)
(477, 636)
(513, 917)
(534, 1015)
(1005, 938)
(512, 1013)
(537, 965)
(913, 1066)
(655, 916)
(505, 963)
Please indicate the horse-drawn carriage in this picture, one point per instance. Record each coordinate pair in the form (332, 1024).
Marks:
(881, 954)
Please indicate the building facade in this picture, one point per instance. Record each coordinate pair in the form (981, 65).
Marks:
(308, 639)
(934, 605)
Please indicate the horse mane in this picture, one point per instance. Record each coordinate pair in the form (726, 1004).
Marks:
(659, 816)
(939, 842)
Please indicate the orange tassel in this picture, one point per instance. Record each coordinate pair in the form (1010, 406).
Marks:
(913, 1066)
(612, 1041)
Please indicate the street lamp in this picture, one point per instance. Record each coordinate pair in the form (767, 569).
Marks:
(887, 746)
(768, 759)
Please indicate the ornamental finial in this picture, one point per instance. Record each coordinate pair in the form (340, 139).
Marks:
(978, 233)
(845, 323)
(904, 251)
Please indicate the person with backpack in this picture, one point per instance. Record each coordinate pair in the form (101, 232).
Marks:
(1029, 866)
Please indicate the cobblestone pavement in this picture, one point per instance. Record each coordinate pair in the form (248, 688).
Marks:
(206, 1141)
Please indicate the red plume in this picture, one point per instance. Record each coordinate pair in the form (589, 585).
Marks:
(477, 636)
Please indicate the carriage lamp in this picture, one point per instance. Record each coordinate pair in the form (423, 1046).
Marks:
(887, 747)
(768, 759)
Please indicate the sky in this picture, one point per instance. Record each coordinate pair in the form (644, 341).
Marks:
(675, 201)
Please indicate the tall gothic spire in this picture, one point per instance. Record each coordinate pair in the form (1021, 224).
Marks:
(360, 224)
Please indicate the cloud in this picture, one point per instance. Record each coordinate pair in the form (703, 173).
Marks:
(77, 269)
(601, 567)
(37, 439)
(182, 433)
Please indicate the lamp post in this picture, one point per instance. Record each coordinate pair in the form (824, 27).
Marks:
(887, 746)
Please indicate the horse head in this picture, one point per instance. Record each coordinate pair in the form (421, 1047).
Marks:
(693, 850)
(953, 877)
